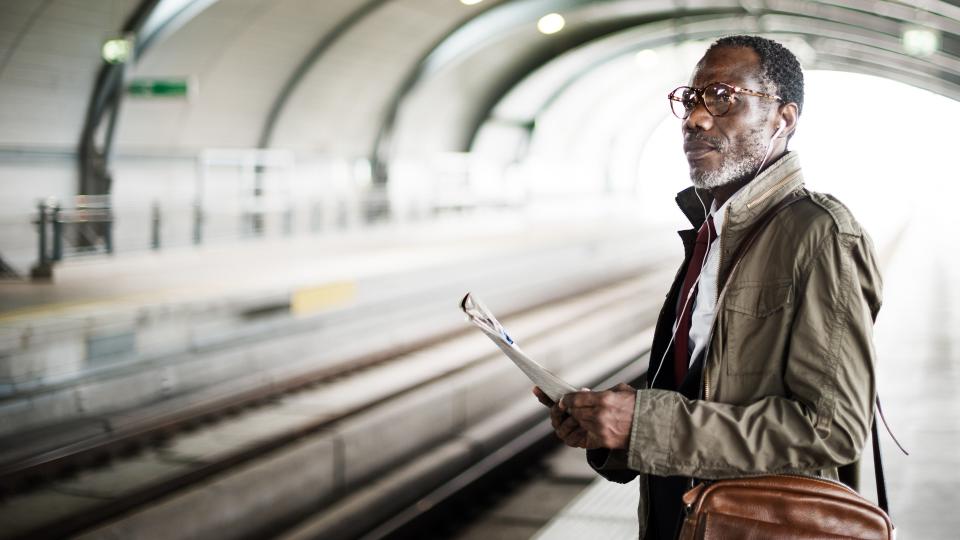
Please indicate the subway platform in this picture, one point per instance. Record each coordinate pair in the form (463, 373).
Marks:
(214, 360)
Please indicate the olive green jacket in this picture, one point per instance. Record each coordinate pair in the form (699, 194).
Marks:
(788, 378)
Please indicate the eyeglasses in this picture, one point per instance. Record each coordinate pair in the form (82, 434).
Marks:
(718, 98)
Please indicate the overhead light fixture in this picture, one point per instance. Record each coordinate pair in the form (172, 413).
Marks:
(117, 51)
(647, 58)
(470, 2)
(551, 23)
(919, 41)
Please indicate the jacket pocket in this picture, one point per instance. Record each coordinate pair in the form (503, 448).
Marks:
(757, 326)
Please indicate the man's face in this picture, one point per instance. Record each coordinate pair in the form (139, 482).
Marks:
(730, 148)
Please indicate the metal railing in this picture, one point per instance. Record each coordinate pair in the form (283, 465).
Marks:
(88, 226)
(241, 194)
(85, 228)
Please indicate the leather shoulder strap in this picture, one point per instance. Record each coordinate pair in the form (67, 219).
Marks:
(878, 469)
(877, 460)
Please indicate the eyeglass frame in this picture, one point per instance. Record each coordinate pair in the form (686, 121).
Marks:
(698, 92)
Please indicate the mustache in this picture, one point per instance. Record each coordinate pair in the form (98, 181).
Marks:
(700, 136)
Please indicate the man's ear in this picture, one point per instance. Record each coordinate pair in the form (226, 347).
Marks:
(789, 115)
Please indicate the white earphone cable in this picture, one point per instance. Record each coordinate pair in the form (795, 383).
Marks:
(693, 288)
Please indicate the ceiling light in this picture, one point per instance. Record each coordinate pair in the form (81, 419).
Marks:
(551, 23)
(470, 2)
(117, 51)
(918, 41)
(647, 58)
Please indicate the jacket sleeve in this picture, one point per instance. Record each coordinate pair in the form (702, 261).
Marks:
(824, 417)
(611, 464)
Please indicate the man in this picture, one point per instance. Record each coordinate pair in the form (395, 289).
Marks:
(771, 372)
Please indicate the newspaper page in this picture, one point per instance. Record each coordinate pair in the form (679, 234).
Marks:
(482, 318)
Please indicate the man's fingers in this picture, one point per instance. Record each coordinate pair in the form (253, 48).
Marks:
(542, 396)
(595, 419)
(557, 417)
(567, 427)
(588, 400)
(578, 440)
(607, 422)
(592, 442)
(589, 422)
(579, 400)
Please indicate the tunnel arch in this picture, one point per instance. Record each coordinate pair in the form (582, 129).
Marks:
(849, 34)
(846, 36)
(496, 50)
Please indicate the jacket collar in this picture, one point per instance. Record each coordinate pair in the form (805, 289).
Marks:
(753, 200)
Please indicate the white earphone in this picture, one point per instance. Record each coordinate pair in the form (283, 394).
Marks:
(780, 128)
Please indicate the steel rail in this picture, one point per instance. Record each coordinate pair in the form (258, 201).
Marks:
(49, 463)
(535, 437)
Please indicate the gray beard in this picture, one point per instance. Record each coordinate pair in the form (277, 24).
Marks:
(734, 166)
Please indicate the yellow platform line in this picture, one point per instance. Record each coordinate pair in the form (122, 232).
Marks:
(311, 300)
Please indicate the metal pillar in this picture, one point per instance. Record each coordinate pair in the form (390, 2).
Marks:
(155, 226)
(43, 270)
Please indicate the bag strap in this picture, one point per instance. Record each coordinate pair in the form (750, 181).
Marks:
(794, 197)
(877, 460)
(878, 467)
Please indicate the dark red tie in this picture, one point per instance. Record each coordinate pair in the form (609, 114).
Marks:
(681, 344)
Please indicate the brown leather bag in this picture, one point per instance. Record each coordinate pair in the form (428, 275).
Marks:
(785, 507)
(781, 507)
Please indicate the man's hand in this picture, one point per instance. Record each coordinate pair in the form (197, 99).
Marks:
(543, 397)
(566, 428)
(606, 416)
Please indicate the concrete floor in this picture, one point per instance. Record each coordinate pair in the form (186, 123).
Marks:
(242, 268)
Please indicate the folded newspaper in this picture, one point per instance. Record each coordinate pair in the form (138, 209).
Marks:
(479, 315)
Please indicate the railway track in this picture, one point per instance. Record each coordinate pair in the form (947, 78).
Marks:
(463, 503)
(191, 448)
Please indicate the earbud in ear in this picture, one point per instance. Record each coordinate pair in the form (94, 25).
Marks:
(780, 128)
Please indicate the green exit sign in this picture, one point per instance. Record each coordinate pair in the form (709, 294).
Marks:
(161, 88)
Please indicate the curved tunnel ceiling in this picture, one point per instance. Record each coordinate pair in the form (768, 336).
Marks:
(49, 61)
(239, 52)
(340, 103)
(285, 73)
(599, 53)
(366, 91)
(855, 36)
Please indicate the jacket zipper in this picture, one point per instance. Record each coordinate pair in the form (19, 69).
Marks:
(763, 196)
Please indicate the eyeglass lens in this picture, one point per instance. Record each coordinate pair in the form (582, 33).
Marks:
(717, 98)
